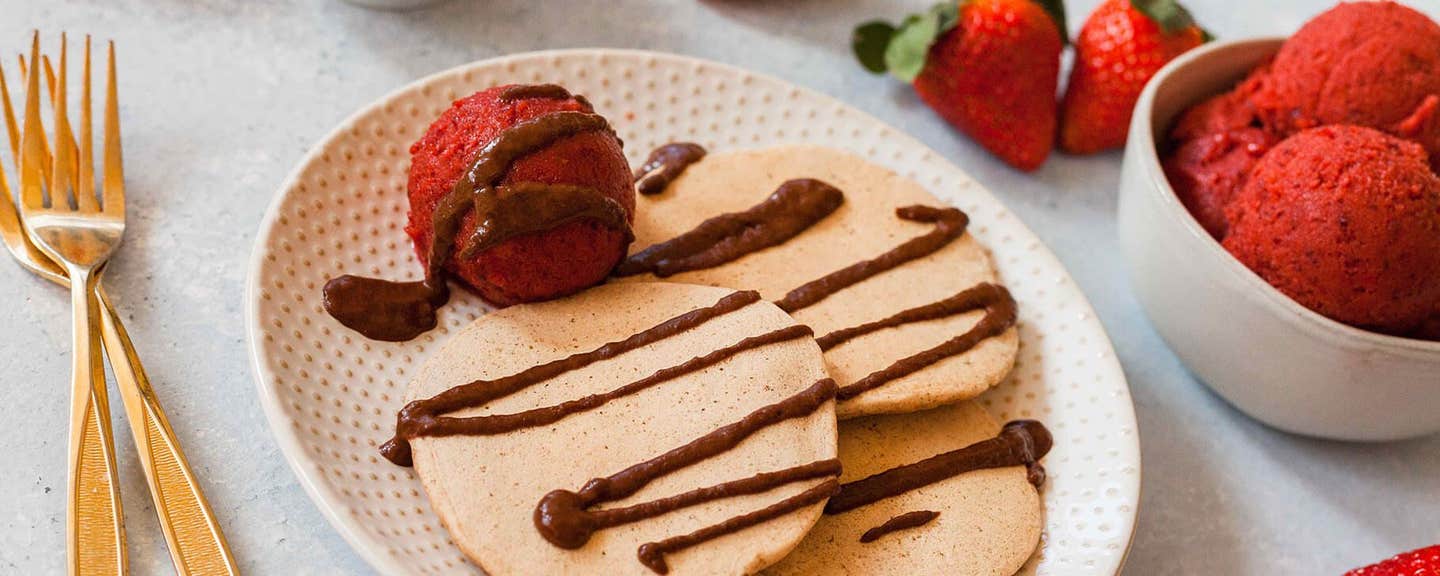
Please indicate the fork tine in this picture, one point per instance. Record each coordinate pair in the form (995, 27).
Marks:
(62, 176)
(11, 128)
(86, 187)
(44, 139)
(32, 193)
(114, 191)
(64, 147)
(50, 71)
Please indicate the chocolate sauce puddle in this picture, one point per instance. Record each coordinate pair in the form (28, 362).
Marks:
(1020, 443)
(562, 518)
(904, 521)
(382, 309)
(795, 206)
(1000, 314)
(664, 165)
(423, 417)
(397, 311)
(949, 223)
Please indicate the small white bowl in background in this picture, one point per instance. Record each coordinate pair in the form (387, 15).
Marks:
(1272, 358)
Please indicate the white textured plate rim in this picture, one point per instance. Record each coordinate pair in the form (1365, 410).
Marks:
(323, 495)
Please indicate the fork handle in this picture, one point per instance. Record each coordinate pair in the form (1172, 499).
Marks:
(197, 546)
(94, 523)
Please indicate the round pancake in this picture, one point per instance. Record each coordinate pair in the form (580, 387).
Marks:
(989, 520)
(863, 227)
(486, 488)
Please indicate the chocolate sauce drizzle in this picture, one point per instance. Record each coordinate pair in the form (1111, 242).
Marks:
(904, 521)
(496, 158)
(798, 205)
(949, 223)
(398, 311)
(652, 554)
(1000, 313)
(531, 207)
(423, 417)
(1020, 443)
(664, 165)
(795, 206)
(502, 423)
(562, 518)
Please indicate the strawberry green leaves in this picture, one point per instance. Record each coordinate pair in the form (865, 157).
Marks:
(882, 47)
(1056, 10)
(869, 43)
(1169, 14)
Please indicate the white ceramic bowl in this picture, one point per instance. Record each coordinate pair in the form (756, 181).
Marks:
(1269, 356)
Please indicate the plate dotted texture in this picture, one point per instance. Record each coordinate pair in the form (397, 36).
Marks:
(331, 395)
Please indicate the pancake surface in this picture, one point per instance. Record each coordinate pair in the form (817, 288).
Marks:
(989, 520)
(863, 227)
(486, 488)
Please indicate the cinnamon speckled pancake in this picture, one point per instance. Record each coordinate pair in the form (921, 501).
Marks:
(486, 488)
(989, 520)
(864, 227)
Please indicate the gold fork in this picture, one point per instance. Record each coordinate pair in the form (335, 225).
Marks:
(195, 541)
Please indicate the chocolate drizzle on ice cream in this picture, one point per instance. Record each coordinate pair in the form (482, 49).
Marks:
(398, 311)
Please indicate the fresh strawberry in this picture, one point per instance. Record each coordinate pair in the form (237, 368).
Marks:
(1422, 562)
(988, 67)
(1122, 44)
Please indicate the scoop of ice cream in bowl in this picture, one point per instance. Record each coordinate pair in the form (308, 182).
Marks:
(1280, 215)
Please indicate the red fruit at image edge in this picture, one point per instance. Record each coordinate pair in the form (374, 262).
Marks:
(534, 267)
(1422, 562)
(995, 76)
(1118, 50)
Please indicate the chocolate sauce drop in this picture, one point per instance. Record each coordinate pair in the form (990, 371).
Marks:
(904, 521)
(664, 165)
(382, 309)
(518, 92)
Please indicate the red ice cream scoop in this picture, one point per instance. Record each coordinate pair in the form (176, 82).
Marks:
(538, 264)
(1374, 64)
(1345, 220)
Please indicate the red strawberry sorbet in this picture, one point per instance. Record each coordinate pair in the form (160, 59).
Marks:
(1214, 145)
(1345, 220)
(1374, 64)
(537, 266)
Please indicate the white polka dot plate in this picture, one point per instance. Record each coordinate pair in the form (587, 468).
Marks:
(331, 395)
